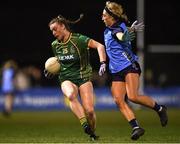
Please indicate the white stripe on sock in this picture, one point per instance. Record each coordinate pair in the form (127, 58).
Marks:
(136, 127)
(160, 109)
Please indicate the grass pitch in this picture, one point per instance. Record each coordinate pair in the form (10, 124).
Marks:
(63, 127)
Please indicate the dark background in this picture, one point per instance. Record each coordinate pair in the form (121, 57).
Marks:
(25, 35)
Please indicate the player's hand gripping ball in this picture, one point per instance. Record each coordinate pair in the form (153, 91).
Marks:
(52, 65)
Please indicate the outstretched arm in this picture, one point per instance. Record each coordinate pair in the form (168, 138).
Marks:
(102, 54)
(100, 48)
(135, 27)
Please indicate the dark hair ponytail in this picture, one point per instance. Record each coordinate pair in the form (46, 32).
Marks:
(62, 20)
(75, 21)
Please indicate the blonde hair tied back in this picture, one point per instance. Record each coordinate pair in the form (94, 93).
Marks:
(116, 9)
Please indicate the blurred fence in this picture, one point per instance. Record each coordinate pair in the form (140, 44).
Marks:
(53, 99)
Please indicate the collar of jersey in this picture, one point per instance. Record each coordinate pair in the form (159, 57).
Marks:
(63, 43)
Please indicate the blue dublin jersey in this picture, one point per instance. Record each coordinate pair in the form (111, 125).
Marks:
(119, 52)
(7, 80)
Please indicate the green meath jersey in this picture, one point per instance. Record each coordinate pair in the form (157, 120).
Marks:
(73, 56)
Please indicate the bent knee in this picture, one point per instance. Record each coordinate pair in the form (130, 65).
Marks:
(119, 103)
(90, 112)
(133, 98)
(71, 96)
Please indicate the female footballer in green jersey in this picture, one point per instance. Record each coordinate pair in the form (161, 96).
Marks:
(72, 50)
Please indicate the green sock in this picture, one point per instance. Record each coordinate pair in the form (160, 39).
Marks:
(83, 121)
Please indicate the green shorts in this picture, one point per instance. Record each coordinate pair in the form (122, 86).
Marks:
(77, 82)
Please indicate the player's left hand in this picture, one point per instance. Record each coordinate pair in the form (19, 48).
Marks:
(48, 74)
(102, 68)
(137, 26)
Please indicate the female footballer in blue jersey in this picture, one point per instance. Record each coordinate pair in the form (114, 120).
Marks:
(124, 68)
(8, 85)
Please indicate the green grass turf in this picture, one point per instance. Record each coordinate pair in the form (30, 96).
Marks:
(63, 127)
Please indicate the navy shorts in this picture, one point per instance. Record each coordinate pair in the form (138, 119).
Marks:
(120, 76)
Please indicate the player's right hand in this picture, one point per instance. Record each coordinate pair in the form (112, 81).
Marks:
(137, 26)
(48, 74)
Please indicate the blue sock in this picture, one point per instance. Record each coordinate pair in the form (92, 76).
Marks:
(134, 124)
(157, 107)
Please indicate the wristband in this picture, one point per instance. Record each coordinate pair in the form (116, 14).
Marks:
(103, 62)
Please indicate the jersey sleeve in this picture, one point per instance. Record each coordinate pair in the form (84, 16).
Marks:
(53, 46)
(84, 40)
(116, 30)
